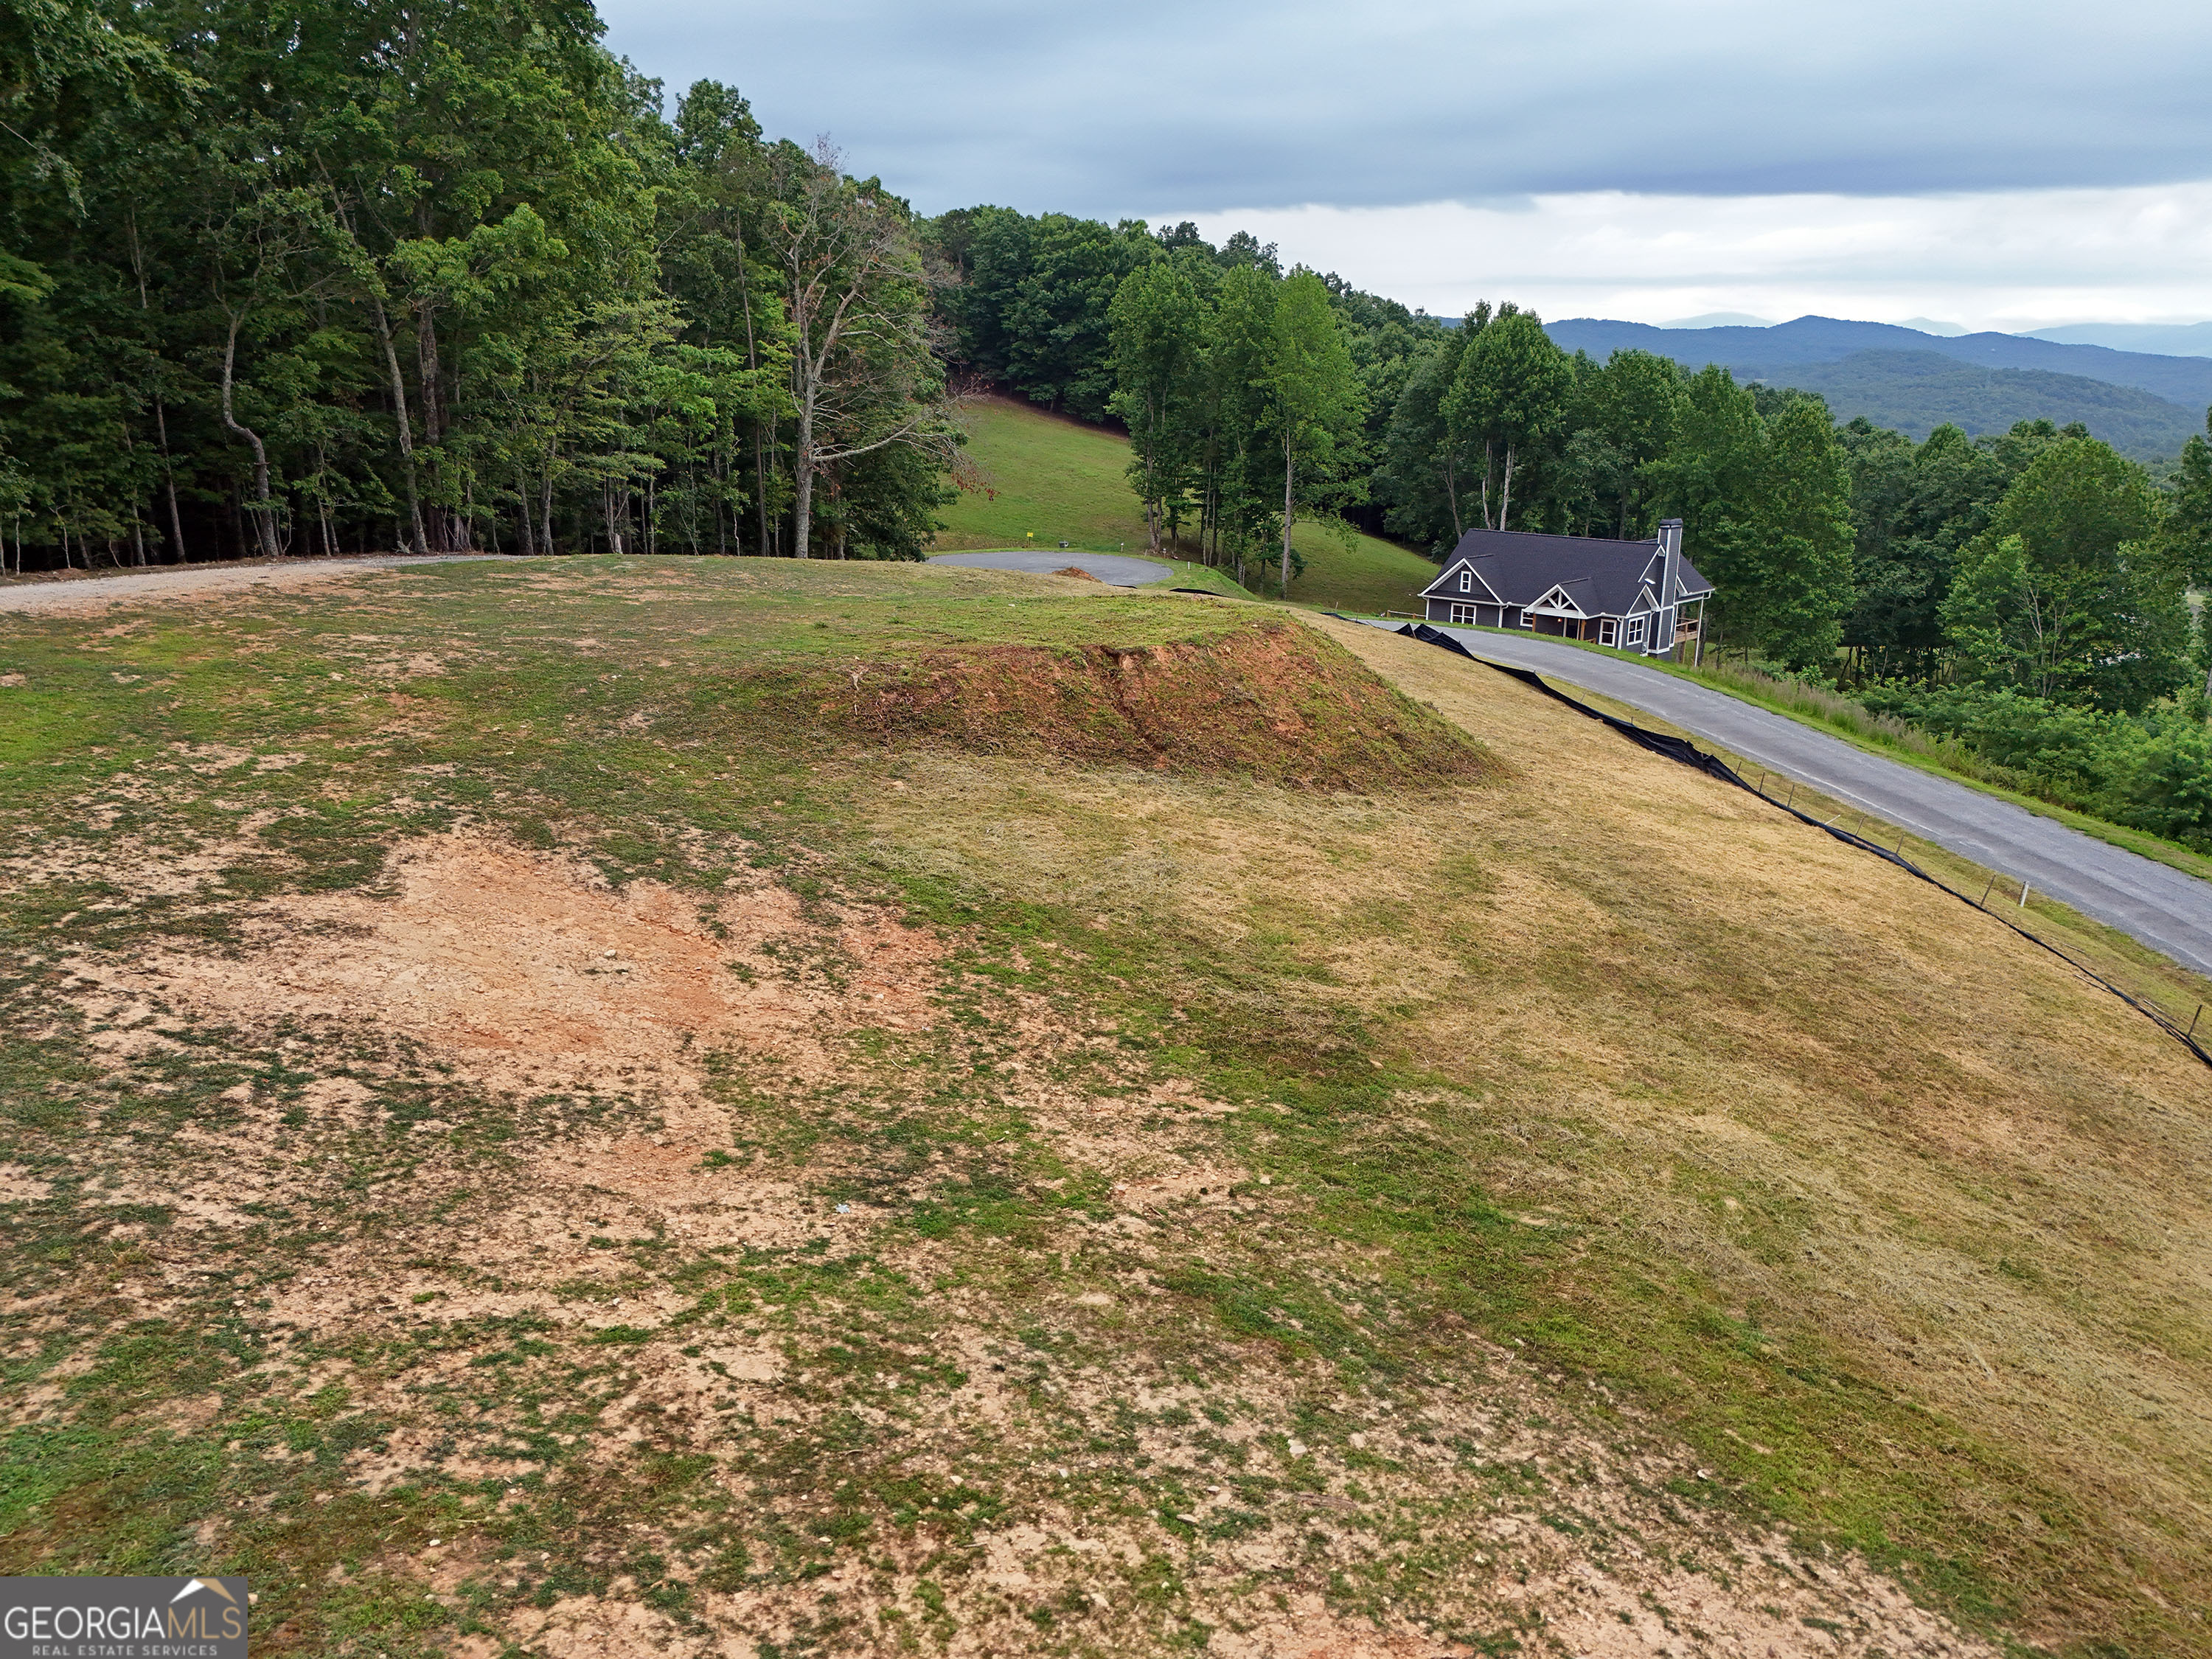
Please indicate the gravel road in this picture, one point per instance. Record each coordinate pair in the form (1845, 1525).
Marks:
(188, 581)
(2150, 901)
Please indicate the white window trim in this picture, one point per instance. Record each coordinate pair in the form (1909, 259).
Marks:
(1463, 615)
(1636, 631)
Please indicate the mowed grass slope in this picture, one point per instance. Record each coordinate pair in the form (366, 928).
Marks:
(1067, 481)
(676, 1105)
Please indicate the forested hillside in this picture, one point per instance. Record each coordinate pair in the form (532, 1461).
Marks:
(351, 278)
(1916, 392)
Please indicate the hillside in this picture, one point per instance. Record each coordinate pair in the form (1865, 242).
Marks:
(1067, 481)
(2144, 405)
(656, 1106)
(1917, 391)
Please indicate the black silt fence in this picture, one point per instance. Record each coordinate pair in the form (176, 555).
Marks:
(1688, 754)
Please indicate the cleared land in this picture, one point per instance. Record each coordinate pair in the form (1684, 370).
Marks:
(703, 1106)
(1067, 481)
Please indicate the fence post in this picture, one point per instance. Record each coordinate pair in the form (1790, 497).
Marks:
(1987, 889)
(2199, 1015)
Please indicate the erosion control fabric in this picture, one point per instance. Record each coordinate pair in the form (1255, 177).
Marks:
(1687, 753)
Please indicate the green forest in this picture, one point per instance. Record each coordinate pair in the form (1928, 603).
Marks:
(352, 278)
(367, 277)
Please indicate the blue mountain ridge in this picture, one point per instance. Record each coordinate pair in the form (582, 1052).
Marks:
(2167, 339)
(1763, 351)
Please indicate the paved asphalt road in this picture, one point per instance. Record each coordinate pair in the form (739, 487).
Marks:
(2152, 901)
(1111, 569)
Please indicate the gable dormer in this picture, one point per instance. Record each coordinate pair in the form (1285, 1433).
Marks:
(1558, 602)
(1460, 580)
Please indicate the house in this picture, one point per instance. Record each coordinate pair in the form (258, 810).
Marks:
(1630, 595)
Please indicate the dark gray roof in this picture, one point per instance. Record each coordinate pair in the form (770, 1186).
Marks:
(1602, 576)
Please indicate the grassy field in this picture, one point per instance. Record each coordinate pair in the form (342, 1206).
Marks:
(676, 1106)
(1051, 480)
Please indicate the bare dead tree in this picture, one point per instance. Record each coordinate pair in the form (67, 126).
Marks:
(863, 375)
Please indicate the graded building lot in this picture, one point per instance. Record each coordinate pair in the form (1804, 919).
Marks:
(714, 1107)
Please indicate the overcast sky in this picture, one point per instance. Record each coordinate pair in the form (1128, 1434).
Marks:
(2002, 165)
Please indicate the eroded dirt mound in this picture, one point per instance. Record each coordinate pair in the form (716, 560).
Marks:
(1077, 572)
(1275, 702)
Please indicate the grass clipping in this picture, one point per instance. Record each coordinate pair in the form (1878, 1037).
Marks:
(1271, 701)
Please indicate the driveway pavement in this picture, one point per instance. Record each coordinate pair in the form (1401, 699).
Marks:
(2150, 901)
(1112, 569)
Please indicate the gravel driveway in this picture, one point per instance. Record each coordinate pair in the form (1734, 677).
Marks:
(2150, 901)
(1115, 569)
(67, 593)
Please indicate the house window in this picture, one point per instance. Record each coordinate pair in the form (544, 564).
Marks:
(1636, 631)
(1463, 615)
(1605, 631)
(1467, 581)
(1527, 621)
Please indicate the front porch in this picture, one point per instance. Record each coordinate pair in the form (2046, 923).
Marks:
(1598, 631)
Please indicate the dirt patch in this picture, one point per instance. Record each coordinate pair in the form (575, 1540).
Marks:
(19, 1186)
(1270, 700)
(1076, 574)
(528, 972)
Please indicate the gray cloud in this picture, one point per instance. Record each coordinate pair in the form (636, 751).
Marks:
(1122, 109)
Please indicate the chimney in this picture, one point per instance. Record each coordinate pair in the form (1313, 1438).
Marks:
(1670, 556)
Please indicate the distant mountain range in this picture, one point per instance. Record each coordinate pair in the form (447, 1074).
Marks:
(2175, 339)
(2143, 403)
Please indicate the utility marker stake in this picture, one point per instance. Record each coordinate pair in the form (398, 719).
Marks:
(1793, 793)
(2023, 896)
(1985, 891)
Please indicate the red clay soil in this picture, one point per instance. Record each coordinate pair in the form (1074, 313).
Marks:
(1271, 701)
(1080, 575)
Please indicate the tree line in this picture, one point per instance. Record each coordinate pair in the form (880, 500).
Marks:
(349, 277)
(1252, 396)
